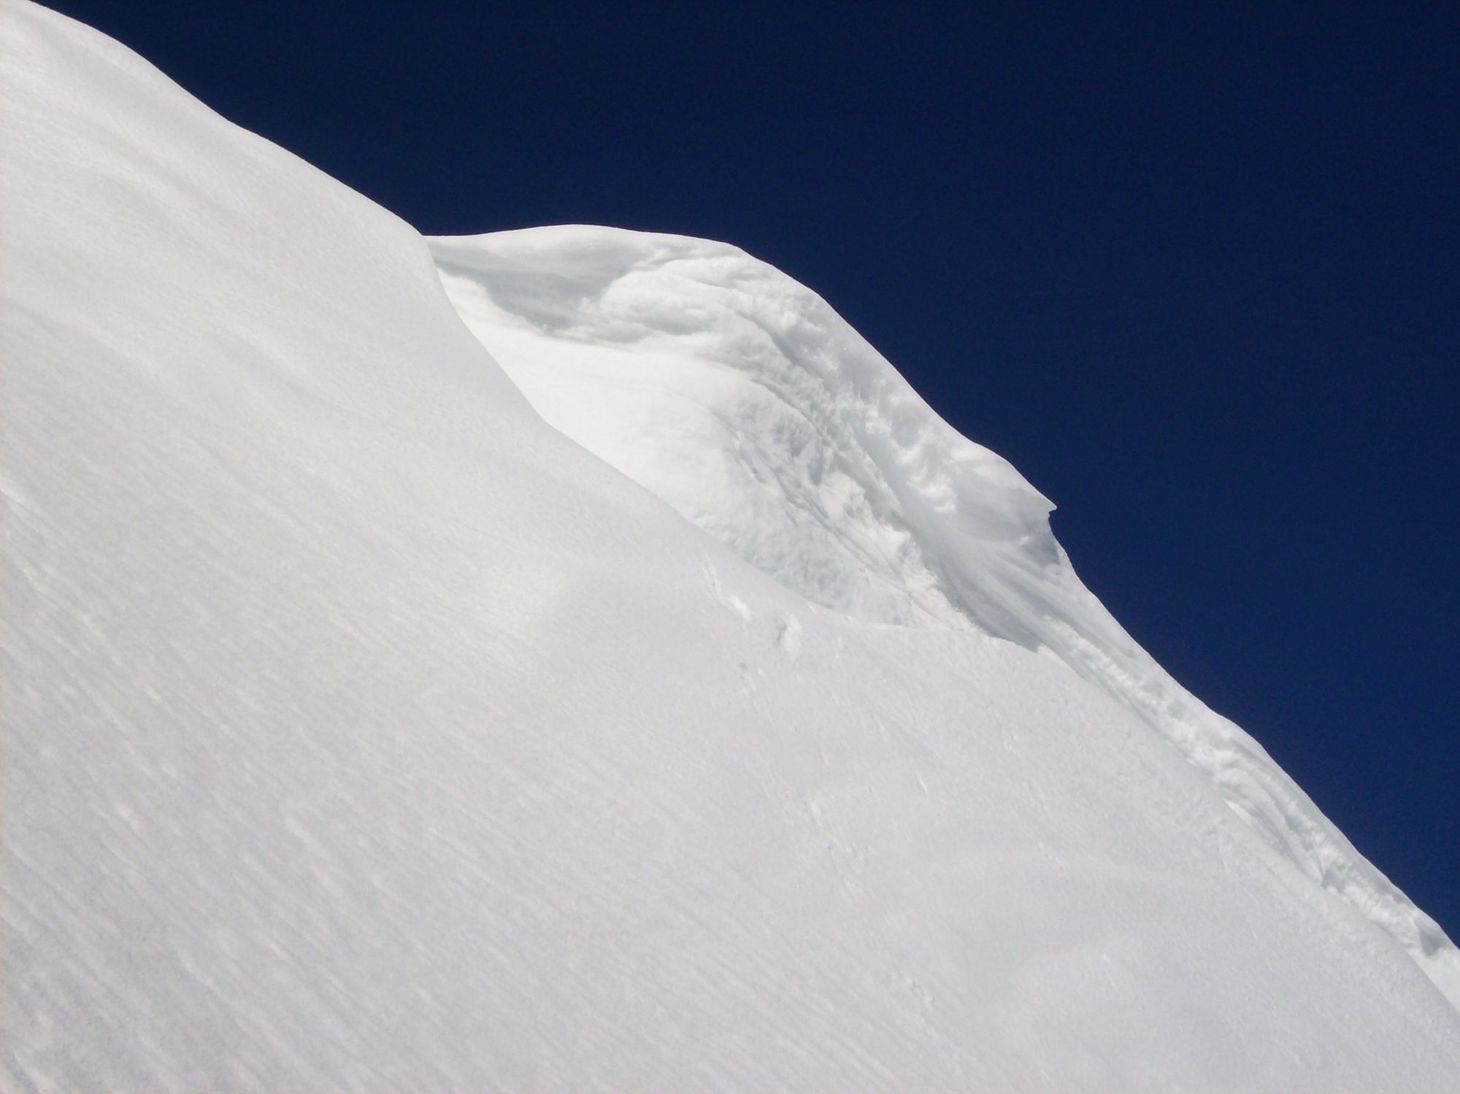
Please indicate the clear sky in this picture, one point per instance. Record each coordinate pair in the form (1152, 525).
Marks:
(1194, 269)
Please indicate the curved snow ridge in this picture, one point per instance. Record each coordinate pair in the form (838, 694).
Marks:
(743, 400)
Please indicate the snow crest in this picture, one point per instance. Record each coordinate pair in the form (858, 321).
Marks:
(749, 405)
(742, 399)
(361, 731)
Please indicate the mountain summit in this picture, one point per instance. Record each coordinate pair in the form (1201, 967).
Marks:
(635, 684)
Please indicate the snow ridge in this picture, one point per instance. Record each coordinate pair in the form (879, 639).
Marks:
(360, 730)
(740, 397)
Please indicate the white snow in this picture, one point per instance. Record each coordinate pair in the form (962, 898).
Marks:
(743, 400)
(361, 730)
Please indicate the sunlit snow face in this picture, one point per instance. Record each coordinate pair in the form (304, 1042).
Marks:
(364, 731)
(739, 397)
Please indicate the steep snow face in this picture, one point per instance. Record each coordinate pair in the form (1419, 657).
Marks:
(361, 731)
(742, 399)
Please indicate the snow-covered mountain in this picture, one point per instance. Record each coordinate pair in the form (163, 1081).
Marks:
(743, 400)
(374, 718)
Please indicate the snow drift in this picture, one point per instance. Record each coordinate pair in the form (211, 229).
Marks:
(742, 399)
(362, 730)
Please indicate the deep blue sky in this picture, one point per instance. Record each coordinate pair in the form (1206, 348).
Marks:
(1197, 273)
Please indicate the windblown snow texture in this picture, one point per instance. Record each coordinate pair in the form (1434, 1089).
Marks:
(362, 730)
(742, 399)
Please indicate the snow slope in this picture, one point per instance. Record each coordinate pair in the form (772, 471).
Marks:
(360, 730)
(742, 399)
